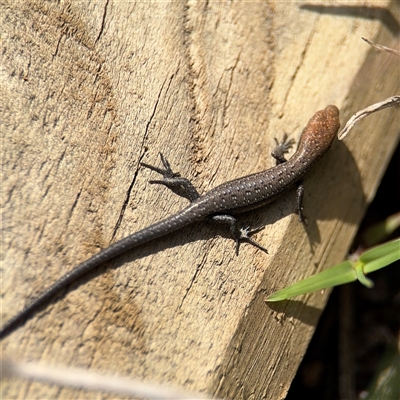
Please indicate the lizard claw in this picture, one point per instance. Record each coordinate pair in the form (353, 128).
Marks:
(302, 218)
(244, 235)
(282, 148)
(167, 172)
(285, 145)
(173, 180)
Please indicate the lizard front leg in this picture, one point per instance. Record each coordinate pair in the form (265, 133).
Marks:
(278, 153)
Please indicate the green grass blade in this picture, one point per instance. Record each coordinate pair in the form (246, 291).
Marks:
(359, 270)
(372, 260)
(380, 256)
(382, 230)
(380, 251)
(337, 275)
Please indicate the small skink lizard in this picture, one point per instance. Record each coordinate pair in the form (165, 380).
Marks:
(220, 204)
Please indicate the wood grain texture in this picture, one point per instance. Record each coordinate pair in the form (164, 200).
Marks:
(89, 91)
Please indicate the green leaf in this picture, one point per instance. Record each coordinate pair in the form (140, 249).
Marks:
(358, 269)
(337, 275)
(380, 256)
(345, 272)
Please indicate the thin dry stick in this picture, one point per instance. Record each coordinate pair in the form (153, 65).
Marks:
(82, 379)
(379, 47)
(390, 102)
(359, 115)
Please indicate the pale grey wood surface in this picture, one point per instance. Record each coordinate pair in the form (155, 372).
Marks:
(91, 89)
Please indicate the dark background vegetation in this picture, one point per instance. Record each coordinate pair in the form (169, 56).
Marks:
(359, 325)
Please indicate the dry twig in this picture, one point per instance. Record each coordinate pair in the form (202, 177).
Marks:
(82, 379)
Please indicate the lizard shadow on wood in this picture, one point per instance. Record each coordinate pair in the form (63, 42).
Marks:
(338, 175)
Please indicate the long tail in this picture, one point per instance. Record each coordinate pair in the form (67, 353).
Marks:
(166, 226)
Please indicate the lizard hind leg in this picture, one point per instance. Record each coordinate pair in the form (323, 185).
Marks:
(239, 234)
(245, 236)
(173, 180)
